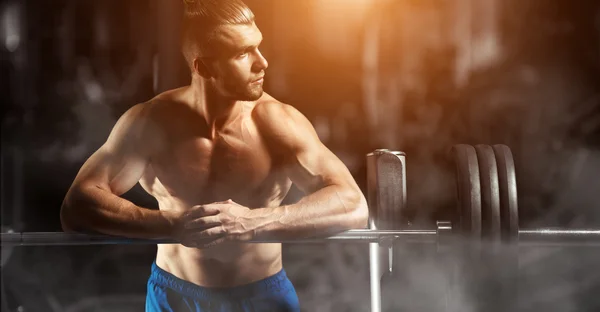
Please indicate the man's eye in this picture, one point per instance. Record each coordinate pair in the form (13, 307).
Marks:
(243, 54)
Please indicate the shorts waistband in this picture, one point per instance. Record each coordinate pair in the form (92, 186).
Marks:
(270, 284)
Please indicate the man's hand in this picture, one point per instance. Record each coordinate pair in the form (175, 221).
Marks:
(205, 226)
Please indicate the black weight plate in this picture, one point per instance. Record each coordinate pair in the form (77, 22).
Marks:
(509, 213)
(490, 193)
(509, 210)
(468, 190)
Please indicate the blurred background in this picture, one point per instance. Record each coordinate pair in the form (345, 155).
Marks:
(412, 75)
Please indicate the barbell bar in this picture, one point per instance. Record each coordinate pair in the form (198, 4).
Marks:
(534, 236)
(59, 238)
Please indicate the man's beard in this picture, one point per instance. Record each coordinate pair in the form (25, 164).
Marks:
(249, 93)
(246, 92)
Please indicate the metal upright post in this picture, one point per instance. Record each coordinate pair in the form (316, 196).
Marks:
(386, 192)
(374, 259)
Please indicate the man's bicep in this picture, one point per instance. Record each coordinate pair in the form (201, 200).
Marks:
(307, 161)
(120, 162)
(314, 166)
(115, 171)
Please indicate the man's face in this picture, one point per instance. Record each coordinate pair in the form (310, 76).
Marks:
(237, 66)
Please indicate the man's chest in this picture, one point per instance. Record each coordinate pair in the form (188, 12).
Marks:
(231, 162)
(225, 158)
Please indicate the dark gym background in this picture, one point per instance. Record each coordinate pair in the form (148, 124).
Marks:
(410, 75)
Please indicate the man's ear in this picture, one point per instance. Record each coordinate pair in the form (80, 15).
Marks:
(202, 68)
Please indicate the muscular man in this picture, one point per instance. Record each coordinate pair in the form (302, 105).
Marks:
(219, 156)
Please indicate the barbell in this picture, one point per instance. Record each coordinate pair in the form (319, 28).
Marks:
(487, 209)
(537, 236)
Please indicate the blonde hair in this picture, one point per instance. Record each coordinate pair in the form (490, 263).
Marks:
(201, 19)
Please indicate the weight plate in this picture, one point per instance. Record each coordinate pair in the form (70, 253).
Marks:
(490, 193)
(509, 211)
(509, 214)
(468, 190)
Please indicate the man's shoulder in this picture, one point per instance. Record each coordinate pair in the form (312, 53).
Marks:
(156, 107)
(282, 123)
(138, 113)
(166, 101)
(172, 95)
(143, 120)
(273, 112)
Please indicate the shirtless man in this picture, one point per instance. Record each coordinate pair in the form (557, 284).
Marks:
(219, 156)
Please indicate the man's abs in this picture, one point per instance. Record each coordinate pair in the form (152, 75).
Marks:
(225, 265)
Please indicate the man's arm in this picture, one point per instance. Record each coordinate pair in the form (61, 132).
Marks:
(92, 203)
(334, 202)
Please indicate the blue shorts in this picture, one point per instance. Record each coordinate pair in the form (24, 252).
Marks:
(166, 292)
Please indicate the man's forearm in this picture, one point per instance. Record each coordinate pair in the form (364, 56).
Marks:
(99, 211)
(328, 211)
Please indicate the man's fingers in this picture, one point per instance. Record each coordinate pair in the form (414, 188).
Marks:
(209, 225)
(210, 209)
(209, 237)
(202, 222)
(202, 239)
(202, 210)
(211, 233)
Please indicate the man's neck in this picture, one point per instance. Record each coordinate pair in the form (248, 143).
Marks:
(216, 109)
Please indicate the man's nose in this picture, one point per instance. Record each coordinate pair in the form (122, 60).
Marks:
(260, 63)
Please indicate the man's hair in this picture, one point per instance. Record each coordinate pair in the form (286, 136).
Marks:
(202, 18)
